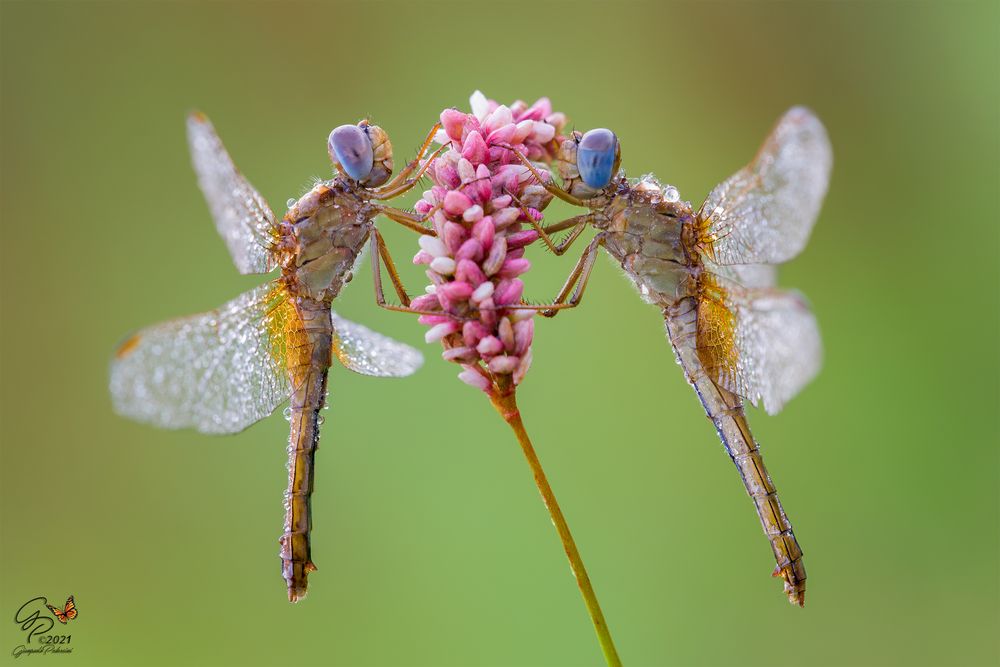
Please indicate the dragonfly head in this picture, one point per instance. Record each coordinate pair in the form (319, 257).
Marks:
(361, 152)
(598, 156)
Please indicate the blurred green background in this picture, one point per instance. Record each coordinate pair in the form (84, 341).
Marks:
(432, 544)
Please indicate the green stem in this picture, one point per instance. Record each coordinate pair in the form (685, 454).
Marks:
(504, 400)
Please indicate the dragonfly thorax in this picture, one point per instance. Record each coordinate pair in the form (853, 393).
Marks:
(321, 238)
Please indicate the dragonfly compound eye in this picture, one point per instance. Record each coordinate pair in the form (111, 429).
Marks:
(597, 157)
(351, 151)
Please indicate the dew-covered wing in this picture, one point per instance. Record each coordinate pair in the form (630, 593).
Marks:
(763, 213)
(217, 372)
(370, 353)
(242, 216)
(762, 344)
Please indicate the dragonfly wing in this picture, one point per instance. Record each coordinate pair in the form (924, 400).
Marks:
(748, 275)
(763, 213)
(370, 353)
(217, 372)
(242, 216)
(762, 344)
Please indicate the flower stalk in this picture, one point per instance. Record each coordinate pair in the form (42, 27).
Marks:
(503, 398)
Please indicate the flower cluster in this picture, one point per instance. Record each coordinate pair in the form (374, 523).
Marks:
(478, 205)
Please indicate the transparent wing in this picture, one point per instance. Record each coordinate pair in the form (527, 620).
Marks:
(747, 275)
(762, 344)
(217, 372)
(244, 220)
(364, 351)
(763, 213)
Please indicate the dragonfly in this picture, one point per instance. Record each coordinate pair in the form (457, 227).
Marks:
(712, 272)
(221, 371)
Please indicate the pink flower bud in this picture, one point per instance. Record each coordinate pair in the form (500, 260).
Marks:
(431, 320)
(508, 292)
(490, 346)
(498, 253)
(470, 273)
(521, 239)
(423, 257)
(443, 265)
(543, 133)
(502, 135)
(457, 290)
(439, 331)
(506, 330)
(454, 236)
(470, 250)
(512, 268)
(488, 313)
(483, 232)
(524, 331)
(522, 367)
(475, 379)
(445, 174)
(483, 292)
(502, 201)
(473, 214)
(483, 185)
(500, 117)
(460, 354)
(505, 216)
(423, 207)
(424, 302)
(473, 332)
(474, 149)
(504, 365)
(466, 171)
(452, 120)
(522, 130)
(455, 203)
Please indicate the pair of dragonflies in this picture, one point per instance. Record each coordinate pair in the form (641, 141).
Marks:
(736, 335)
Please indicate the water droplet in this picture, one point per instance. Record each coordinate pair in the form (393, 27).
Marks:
(287, 414)
(290, 203)
(671, 194)
(320, 420)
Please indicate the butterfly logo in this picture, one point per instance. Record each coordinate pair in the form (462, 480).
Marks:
(67, 613)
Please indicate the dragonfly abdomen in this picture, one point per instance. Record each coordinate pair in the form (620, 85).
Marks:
(725, 409)
(308, 358)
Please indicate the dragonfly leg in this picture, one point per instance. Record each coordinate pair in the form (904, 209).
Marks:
(578, 277)
(388, 193)
(554, 189)
(405, 172)
(379, 250)
(577, 222)
(409, 220)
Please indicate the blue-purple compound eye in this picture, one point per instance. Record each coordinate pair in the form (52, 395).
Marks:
(351, 148)
(595, 157)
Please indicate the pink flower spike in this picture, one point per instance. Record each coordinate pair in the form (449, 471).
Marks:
(452, 120)
(490, 346)
(474, 149)
(504, 364)
(439, 331)
(475, 379)
(455, 203)
(521, 239)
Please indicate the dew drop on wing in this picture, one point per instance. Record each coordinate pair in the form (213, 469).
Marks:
(320, 419)
(287, 414)
(671, 194)
(290, 203)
